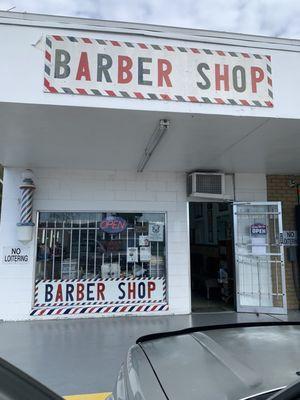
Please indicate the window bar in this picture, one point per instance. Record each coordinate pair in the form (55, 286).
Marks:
(257, 213)
(266, 265)
(78, 251)
(62, 248)
(95, 250)
(54, 250)
(252, 289)
(249, 224)
(243, 275)
(45, 245)
(150, 264)
(71, 245)
(142, 261)
(51, 238)
(134, 239)
(119, 254)
(127, 233)
(269, 240)
(273, 294)
(276, 274)
(87, 250)
(50, 249)
(275, 231)
(157, 255)
(103, 256)
(111, 239)
(259, 285)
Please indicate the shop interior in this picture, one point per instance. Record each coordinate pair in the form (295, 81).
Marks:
(212, 260)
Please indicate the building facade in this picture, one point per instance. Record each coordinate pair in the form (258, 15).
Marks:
(101, 123)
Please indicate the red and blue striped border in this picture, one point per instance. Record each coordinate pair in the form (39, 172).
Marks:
(154, 96)
(114, 309)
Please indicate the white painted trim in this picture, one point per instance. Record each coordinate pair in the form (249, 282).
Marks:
(196, 35)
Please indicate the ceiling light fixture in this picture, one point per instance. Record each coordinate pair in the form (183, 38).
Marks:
(154, 140)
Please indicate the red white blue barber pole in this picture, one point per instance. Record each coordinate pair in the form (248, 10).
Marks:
(25, 226)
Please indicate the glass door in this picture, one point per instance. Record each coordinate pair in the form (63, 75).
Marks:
(259, 258)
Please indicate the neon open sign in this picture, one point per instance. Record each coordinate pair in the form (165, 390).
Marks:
(113, 224)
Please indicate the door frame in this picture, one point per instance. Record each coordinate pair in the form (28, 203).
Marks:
(260, 309)
(230, 204)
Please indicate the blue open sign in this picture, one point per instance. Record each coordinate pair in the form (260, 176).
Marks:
(258, 230)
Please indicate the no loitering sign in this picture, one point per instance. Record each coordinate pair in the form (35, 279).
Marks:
(100, 67)
(15, 255)
(289, 238)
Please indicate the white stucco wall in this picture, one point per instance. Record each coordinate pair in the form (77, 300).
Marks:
(15, 281)
(96, 190)
(86, 190)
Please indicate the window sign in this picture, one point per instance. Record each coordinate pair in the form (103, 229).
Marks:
(113, 224)
(145, 253)
(258, 234)
(101, 291)
(156, 232)
(258, 230)
(100, 262)
(132, 254)
(143, 240)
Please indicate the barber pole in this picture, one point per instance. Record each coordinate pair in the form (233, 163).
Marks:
(27, 188)
(25, 225)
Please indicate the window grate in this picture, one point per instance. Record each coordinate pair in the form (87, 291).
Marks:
(76, 247)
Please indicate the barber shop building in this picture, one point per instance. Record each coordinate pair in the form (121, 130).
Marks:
(148, 170)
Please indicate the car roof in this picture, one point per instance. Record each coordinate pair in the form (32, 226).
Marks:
(225, 362)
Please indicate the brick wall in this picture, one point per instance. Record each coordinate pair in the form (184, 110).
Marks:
(278, 189)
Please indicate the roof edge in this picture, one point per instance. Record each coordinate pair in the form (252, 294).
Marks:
(89, 24)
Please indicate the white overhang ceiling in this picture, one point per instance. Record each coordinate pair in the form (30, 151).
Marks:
(73, 137)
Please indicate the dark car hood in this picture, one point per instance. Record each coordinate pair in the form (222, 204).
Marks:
(225, 363)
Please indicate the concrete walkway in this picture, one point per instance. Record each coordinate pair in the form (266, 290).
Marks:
(84, 355)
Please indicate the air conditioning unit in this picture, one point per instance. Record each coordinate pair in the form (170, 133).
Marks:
(206, 184)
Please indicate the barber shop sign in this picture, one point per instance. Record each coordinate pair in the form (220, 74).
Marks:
(156, 71)
(94, 296)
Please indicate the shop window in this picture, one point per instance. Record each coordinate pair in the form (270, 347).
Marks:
(100, 245)
(100, 259)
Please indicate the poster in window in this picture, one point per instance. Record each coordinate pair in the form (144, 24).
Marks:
(143, 240)
(156, 231)
(69, 269)
(132, 254)
(111, 245)
(145, 253)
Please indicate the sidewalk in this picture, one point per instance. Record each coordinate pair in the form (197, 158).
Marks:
(84, 355)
